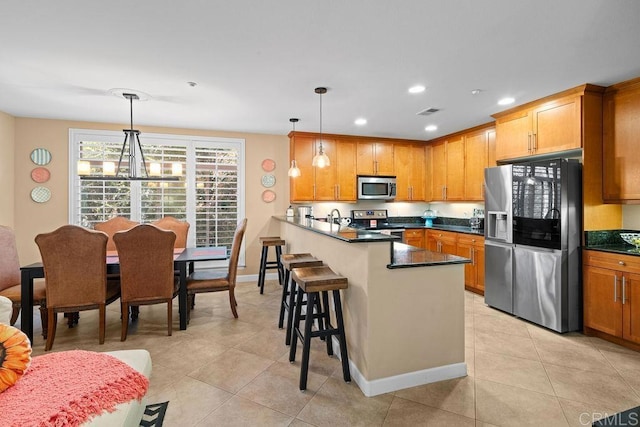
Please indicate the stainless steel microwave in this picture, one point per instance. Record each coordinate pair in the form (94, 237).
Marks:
(376, 187)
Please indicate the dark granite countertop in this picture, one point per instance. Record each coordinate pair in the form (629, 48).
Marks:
(405, 256)
(609, 241)
(457, 225)
(340, 232)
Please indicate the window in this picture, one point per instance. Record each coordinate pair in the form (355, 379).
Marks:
(210, 195)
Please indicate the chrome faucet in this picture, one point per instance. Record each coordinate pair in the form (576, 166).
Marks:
(331, 216)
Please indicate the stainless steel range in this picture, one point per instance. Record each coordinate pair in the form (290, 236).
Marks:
(375, 219)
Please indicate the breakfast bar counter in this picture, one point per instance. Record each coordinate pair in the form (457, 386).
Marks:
(404, 326)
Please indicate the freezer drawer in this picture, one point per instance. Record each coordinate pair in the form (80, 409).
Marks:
(498, 282)
(540, 293)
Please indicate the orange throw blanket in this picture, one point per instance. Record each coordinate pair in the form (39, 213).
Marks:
(68, 388)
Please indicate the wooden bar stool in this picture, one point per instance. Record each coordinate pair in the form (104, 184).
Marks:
(289, 262)
(316, 282)
(265, 264)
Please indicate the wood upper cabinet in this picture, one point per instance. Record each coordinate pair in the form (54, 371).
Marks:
(621, 169)
(375, 158)
(472, 247)
(476, 151)
(409, 164)
(428, 175)
(302, 150)
(335, 182)
(447, 169)
(549, 125)
(611, 286)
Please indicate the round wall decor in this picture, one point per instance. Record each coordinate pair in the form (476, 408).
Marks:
(40, 194)
(268, 196)
(40, 175)
(41, 156)
(268, 165)
(268, 180)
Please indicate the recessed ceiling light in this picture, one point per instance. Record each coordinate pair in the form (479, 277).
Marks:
(361, 121)
(431, 128)
(476, 91)
(506, 101)
(417, 89)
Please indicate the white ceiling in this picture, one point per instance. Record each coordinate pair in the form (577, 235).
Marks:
(257, 62)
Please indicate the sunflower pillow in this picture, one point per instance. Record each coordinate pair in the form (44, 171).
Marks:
(15, 355)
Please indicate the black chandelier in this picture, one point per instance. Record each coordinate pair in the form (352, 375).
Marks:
(131, 138)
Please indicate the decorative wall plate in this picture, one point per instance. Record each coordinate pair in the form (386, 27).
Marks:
(40, 175)
(268, 196)
(41, 156)
(268, 180)
(268, 165)
(40, 194)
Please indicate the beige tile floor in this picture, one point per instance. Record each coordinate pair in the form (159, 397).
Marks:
(222, 371)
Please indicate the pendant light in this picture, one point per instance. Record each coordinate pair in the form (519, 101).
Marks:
(131, 138)
(321, 159)
(294, 170)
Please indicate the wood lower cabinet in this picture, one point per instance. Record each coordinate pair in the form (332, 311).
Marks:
(441, 241)
(611, 286)
(472, 247)
(621, 172)
(414, 237)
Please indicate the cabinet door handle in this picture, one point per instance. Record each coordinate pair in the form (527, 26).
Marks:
(473, 256)
(624, 290)
(314, 191)
(338, 191)
(375, 167)
(445, 193)
(535, 141)
(529, 142)
(615, 288)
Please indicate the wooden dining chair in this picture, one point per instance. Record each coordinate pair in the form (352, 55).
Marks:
(146, 270)
(211, 280)
(180, 228)
(112, 226)
(75, 272)
(10, 279)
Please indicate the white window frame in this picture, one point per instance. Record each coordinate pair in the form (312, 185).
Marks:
(77, 135)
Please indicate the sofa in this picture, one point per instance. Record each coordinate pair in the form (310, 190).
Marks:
(126, 414)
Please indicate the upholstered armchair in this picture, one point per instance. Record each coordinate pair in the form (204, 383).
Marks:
(75, 271)
(10, 279)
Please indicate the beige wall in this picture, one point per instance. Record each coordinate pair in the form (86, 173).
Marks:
(7, 173)
(32, 218)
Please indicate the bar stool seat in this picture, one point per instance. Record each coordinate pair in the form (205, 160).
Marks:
(289, 262)
(316, 283)
(265, 264)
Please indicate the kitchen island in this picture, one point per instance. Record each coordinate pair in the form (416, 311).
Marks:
(403, 310)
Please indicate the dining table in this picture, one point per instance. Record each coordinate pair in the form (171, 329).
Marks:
(184, 261)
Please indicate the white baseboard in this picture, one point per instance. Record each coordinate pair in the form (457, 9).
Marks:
(402, 381)
(388, 384)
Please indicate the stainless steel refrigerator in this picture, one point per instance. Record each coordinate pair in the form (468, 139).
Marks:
(533, 217)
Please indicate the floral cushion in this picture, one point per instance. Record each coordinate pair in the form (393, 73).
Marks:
(15, 355)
